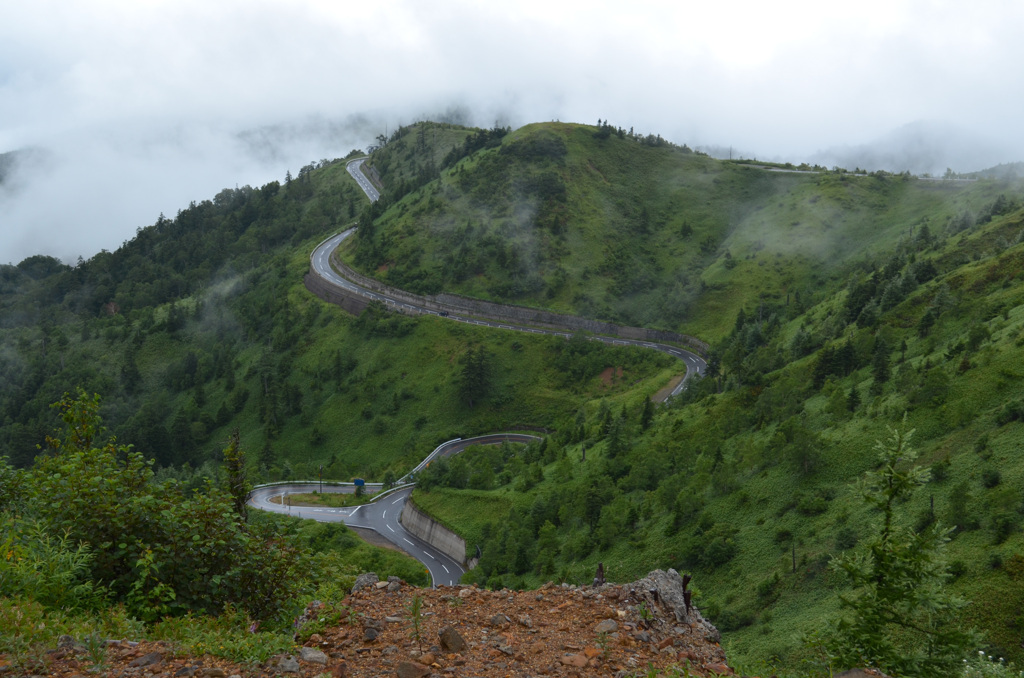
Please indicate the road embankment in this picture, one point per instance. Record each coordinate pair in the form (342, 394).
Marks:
(348, 300)
(434, 533)
(500, 312)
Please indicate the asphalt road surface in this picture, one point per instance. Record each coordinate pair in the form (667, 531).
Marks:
(381, 515)
(354, 168)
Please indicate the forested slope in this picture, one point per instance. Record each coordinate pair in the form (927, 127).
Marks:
(841, 306)
(614, 225)
(838, 305)
(200, 325)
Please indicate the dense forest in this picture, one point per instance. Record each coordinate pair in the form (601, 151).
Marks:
(843, 308)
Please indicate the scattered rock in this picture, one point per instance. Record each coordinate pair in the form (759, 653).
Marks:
(451, 640)
(69, 643)
(364, 580)
(147, 660)
(665, 589)
(577, 660)
(284, 663)
(313, 656)
(394, 586)
(381, 585)
(569, 632)
(412, 670)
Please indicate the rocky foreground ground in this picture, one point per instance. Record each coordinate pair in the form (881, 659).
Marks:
(607, 630)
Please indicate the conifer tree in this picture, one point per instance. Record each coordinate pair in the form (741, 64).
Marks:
(898, 618)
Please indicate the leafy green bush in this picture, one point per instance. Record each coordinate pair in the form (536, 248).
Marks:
(52, 570)
(156, 548)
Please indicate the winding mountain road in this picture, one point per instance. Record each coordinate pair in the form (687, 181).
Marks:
(321, 264)
(382, 515)
(355, 168)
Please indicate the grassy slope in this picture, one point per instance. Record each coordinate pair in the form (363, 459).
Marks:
(761, 494)
(612, 228)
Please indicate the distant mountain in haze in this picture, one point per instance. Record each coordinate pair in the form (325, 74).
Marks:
(21, 159)
(7, 163)
(922, 147)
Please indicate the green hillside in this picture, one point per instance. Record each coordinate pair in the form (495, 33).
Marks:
(632, 229)
(838, 305)
(190, 331)
(836, 302)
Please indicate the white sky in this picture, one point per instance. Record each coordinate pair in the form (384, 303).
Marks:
(140, 101)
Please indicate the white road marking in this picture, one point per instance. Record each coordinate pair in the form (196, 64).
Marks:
(445, 568)
(397, 500)
(391, 528)
(385, 515)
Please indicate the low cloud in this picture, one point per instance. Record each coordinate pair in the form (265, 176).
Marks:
(144, 107)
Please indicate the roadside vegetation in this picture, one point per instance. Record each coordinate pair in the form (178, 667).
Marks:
(94, 544)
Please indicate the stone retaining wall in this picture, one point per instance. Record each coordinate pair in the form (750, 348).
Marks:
(432, 532)
(519, 315)
(350, 301)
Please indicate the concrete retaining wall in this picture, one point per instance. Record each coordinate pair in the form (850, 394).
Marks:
(432, 532)
(350, 301)
(520, 315)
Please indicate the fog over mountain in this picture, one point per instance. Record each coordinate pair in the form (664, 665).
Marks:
(923, 148)
(139, 108)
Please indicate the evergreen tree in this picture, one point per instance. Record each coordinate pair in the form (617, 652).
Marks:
(899, 618)
(880, 365)
(646, 414)
(474, 379)
(853, 398)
